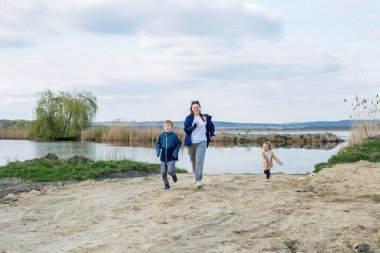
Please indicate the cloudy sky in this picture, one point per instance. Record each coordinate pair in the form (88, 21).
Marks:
(245, 60)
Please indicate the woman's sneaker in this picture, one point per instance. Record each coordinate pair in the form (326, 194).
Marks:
(199, 184)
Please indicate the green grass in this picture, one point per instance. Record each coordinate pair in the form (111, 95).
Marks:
(74, 169)
(365, 151)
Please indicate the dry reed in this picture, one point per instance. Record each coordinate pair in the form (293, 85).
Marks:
(120, 133)
(366, 124)
(13, 133)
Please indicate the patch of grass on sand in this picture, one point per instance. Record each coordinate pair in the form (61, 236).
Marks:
(365, 151)
(43, 170)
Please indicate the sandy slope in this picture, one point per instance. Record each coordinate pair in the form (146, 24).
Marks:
(331, 211)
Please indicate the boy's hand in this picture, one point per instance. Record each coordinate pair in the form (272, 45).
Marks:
(173, 155)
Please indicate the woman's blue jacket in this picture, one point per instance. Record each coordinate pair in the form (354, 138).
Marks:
(189, 127)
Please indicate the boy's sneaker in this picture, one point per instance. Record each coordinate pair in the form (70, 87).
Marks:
(175, 179)
(167, 187)
(199, 184)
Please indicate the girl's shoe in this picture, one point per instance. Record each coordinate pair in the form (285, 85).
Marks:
(199, 184)
(167, 187)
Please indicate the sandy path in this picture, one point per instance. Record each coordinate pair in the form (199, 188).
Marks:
(331, 211)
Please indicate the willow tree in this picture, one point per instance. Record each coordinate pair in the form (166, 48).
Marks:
(62, 114)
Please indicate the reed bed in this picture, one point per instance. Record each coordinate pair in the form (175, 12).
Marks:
(364, 131)
(13, 133)
(366, 126)
(119, 133)
(280, 139)
(133, 134)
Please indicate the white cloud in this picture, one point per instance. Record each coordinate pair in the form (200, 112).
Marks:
(15, 42)
(199, 18)
(245, 60)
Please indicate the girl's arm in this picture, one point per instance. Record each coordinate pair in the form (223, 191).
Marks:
(265, 163)
(276, 158)
(263, 157)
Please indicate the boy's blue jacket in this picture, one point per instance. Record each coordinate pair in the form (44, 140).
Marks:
(189, 127)
(168, 144)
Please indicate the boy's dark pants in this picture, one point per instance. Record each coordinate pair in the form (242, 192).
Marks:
(267, 172)
(167, 168)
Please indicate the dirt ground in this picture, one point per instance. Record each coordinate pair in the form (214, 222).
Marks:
(331, 211)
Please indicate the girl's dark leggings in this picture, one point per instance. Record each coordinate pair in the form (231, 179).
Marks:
(267, 172)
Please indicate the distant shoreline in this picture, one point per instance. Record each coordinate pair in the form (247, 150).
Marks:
(285, 129)
(247, 137)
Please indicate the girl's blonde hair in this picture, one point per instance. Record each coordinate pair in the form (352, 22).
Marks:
(268, 144)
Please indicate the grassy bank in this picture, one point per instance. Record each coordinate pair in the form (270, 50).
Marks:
(366, 151)
(44, 170)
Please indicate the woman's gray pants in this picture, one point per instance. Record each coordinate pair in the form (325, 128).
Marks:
(197, 152)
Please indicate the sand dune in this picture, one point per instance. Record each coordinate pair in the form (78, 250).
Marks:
(331, 211)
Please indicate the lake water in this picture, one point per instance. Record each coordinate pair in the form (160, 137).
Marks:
(232, 159)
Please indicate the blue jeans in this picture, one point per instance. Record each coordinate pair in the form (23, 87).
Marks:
(197, 152)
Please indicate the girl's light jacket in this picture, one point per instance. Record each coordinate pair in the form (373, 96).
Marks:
(272, 157)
